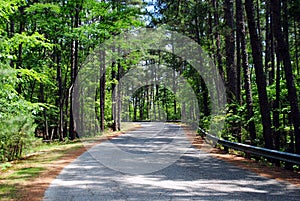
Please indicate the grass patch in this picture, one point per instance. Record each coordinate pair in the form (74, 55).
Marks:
(22, 171)
(7, 192)
(26, 173)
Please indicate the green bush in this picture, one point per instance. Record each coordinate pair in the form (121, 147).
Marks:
(16, 134)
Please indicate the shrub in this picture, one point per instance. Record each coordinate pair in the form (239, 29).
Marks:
(16, 134)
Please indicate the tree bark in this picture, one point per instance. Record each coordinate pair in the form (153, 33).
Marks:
(258, 20)
(217, 38)
(247, 81)
(113, 88)
(20, 48)
(60, 95)
(296, 46)
(268, 45)
(102, 90)
(285, 55)
(260, 76)
(119, 105)
(42, 100)
(74, 71)
(276, 106)
(229, 46)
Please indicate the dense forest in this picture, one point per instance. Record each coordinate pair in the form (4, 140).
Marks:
(254, 45)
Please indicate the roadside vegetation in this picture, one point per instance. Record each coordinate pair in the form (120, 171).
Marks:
(14, 175)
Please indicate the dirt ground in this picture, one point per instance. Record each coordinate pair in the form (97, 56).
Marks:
(264, 170)
(34, 189)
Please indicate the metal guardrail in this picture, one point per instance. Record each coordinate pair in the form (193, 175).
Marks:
(269, 153)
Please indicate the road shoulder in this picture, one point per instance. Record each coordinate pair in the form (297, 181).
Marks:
(271, 172)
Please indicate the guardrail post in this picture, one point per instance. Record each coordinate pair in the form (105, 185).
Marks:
(226, 149)
(248, 155)
(289, 166)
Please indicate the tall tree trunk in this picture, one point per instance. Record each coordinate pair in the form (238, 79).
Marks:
(285, 55)
(74, 71)
(174, 73)
(260, 76)
(238, 61)
(135, 108)
(60, 95)
(296, 46)
(165, 102)
(229, 46)
(285, 22)
(66, 102)
(113, 91)
(20, 48)
(247, 81)
(238, 65)
(268, 45)
(204, 90)
(210, 36)
(42, 100)
(147, 101)
(217, 38)
(119, 105)
(154, 97)
(174, 91)
(258, 20)
(102, 90)
(71, 122)
(11, 33)
(276, 106)
(66, 112)
(231, 71)
(201, 81)
(272, 50)
(12, 27)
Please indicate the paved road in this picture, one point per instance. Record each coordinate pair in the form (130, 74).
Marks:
(194, 176)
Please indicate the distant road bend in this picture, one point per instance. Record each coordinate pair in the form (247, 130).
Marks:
(194, 175)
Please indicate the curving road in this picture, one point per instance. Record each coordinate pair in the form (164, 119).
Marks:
(155, 163)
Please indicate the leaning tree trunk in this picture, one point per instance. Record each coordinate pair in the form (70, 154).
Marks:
(260, 76)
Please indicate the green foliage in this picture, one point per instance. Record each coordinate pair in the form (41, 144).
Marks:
(5, 165)
(17, 132)
(204, 122)
(16, 120)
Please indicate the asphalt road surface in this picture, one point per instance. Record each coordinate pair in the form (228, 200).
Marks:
(155, 163)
